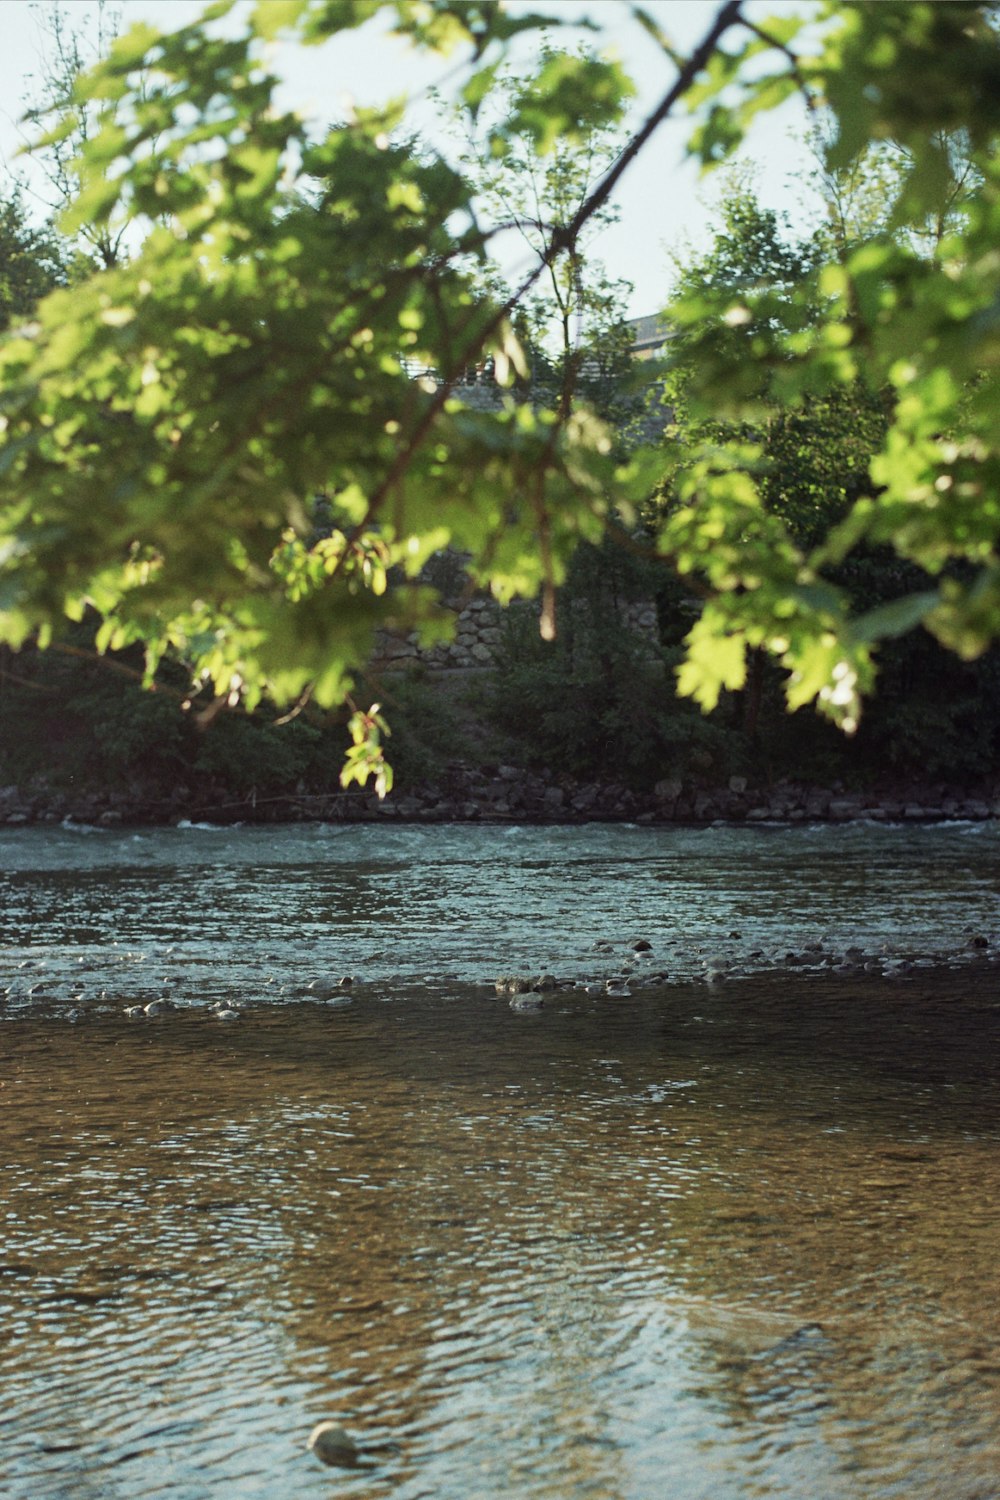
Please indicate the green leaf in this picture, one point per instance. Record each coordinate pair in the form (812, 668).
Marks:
(271, 17)
(715, 660)
(895, 618)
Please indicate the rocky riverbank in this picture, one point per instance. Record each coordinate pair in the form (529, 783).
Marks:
(506, 794)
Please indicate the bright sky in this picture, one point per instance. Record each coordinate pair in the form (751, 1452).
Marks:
(662, 199)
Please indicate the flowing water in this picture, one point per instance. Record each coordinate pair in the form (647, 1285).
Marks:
(707, 1239)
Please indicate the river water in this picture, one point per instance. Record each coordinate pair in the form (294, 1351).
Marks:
(734, 1233)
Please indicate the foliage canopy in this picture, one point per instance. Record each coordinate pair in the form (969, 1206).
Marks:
(217, 446)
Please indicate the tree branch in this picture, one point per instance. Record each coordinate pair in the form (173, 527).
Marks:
(728, 16)
(562, 240)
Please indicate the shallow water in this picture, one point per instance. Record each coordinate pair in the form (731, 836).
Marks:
(708, 1241)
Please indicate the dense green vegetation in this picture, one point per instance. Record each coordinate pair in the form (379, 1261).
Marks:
(214, 454)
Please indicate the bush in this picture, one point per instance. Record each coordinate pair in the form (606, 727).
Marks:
(598, 701)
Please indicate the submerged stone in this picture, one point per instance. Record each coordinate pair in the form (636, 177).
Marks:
(333, 1446)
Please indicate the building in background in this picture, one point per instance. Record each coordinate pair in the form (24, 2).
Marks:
(650, 335)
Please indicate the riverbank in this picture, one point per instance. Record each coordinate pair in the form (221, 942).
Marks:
(506, 794)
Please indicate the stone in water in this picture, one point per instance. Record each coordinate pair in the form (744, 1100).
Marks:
(332, 1445)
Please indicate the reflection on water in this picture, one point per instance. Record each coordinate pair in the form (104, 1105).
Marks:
(706, 1242)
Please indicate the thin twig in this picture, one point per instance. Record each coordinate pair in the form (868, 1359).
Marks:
(786, 51)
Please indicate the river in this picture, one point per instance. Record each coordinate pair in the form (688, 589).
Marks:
(733, 1232)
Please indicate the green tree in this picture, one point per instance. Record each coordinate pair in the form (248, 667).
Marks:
(32, 260)
(805, 464)
(171, 421)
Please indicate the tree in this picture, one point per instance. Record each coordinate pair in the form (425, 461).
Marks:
(171, 422)
(32, 261)
(70, 51)
(806, 464)
(573, 318)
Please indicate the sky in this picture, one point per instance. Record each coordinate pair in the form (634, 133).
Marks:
(663, 201)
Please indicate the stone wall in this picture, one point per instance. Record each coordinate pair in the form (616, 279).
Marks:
(479, 628)
(478, 633)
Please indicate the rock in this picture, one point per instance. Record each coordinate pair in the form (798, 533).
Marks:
(527, 1002)
(513, 984)
(227, 1015)
(642, 946)
(545, 982)
(159, 1007)
(974, 808)
(333, 1446)
(738, 784)
(667, 790)
(842, 809)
